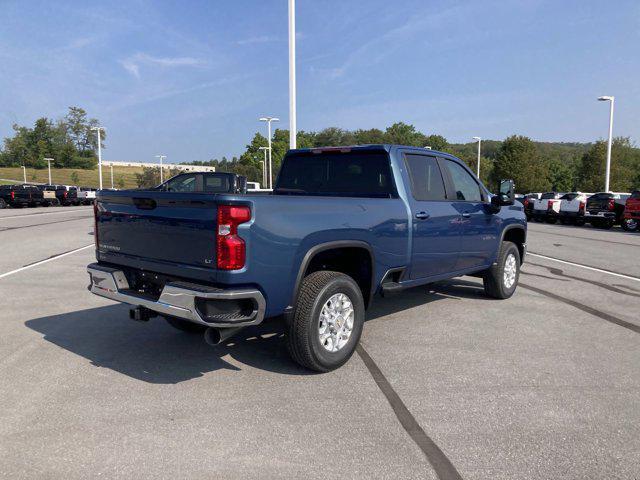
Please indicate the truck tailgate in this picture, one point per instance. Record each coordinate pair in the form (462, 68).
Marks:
(163, 226)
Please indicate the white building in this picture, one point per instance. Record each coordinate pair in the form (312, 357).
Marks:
(184, 168)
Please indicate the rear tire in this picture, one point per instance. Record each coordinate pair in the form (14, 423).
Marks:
(500, 281)
(185, 325)
(630, 224)
(323, 299)
(3, 204)
(551, 220)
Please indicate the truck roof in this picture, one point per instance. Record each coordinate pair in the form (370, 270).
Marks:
(374, 146)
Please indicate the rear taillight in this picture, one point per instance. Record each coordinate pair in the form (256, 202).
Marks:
(95, 223)
(230, 248)
(13, 195)
(582, 207)
(612, 204)
(64, 194)
(526, 202)
(549, 204)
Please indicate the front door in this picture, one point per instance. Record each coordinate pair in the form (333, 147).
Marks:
(435, 221)
(479, 227)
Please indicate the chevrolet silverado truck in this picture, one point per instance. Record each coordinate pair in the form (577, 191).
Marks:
(341, 225)
(572, 208)
(631, 215)
(605, 209)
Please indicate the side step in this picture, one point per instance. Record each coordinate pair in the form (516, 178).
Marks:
(389, 288)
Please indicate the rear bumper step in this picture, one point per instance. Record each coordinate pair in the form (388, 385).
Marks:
(200, 304)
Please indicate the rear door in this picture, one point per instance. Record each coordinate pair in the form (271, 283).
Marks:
(479, 227)
(436, 223)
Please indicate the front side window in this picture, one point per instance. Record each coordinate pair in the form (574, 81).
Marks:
(183, 183)
(464, 185)
(426, 178)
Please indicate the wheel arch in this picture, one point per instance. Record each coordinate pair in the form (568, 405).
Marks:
(334, 251)
(517, 234)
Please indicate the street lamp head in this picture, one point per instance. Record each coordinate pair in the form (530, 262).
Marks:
(606, 98)
(263, 148)
(269, 119)
(97, 128)
(477, 138)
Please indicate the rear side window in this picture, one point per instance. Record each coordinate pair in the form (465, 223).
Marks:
(344, 174)
(426, 178)
(548, 196)
(465, 186)
(568, 196)
(635, 195)
(216, 184)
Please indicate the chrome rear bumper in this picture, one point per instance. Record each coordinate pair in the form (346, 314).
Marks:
(178, 299)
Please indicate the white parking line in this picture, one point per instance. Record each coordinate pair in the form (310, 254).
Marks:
(50, 259)
(587, 267)
(45, 213)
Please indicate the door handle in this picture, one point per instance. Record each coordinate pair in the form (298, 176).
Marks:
(466, 214)
(422, 215)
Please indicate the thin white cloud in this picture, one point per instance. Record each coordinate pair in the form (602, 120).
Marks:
(258, 39)
(133, 63)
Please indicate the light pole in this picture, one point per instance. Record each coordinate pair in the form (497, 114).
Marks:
(269, 120)
(292, 74)
(161, 157)
(111, 165)
(264, 166)
(49, 160)
(24, 173)
(97, 129)
(608, 169)
(479, 140)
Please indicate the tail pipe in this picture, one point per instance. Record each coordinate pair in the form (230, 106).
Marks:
(215, 336)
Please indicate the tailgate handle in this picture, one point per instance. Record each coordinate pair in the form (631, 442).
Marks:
(145, 203)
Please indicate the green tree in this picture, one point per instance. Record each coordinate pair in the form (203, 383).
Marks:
(625, 163)
(518, 159)
(75, 179)
(436, 142)
(369, 137)
(403, 134)
(120, 183)
(561, 176)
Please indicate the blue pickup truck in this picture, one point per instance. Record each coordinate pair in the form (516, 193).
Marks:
(341, 225)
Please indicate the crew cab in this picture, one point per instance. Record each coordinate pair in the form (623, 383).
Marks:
(341, 225)
(572, 208)
(21, 195)
(66, 195)
(605, 209)
(547, 207)
(631, 215)
(205, 182)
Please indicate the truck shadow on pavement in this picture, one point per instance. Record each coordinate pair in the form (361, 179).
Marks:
(154, 352)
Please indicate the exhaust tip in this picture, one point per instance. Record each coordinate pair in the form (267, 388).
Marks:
(215, 336)
(212, 336)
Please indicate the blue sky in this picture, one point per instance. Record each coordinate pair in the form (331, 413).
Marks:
(189, 79)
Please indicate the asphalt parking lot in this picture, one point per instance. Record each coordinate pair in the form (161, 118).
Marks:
(447, 383)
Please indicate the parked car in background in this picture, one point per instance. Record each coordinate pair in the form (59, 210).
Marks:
(527, 202)
(631, 214)
(67, 195)
(572, 208)
(86, 195)
(49, 194)
(20, 195)
(341, 225)
(547, 207)
(605, 209)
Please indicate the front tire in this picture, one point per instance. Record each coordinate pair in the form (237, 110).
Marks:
(328, 321)
(500, 281)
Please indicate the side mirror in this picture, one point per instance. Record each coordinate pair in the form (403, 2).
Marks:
(505, 196)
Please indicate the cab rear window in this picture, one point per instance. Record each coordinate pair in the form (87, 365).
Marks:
(337, 173)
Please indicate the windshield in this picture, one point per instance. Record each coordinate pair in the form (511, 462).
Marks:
(337, 173)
